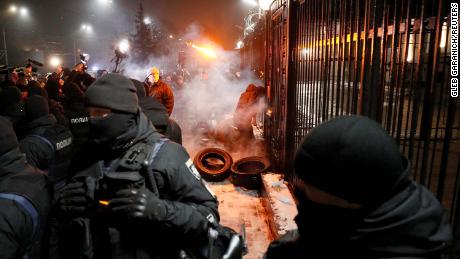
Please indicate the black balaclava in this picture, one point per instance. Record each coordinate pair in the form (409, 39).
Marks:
(354, 159)
(113, 130)
(324, 224)
(117, 93)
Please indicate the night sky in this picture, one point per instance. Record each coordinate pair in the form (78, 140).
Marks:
(55, 26)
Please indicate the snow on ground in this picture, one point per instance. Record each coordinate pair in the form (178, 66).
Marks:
(238, 206)
(280, 203)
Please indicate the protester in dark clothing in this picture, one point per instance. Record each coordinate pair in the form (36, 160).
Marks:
(86, 81)
(9, 96)
(75, 111)
(47, 145)
(35, 89)
(54, 99)
(12, 107)
(24, 200)
(356, 200)
(52, 87)
(157, 114)
(154, 209)
(13, 77)
(77, 75)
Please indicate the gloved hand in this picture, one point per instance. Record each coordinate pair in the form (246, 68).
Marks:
(138, 203)
(74, 198)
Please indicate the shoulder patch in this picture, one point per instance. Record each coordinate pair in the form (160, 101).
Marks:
(209, 189)
(192, 169)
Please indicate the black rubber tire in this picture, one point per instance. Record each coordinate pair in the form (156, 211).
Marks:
(210, 171)
(246, 172)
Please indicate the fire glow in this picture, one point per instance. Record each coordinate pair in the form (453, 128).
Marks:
(207, 52)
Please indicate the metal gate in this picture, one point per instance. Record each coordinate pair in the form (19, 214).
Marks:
(276, 81)
(385, 59)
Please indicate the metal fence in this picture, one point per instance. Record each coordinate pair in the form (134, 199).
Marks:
(385, 59)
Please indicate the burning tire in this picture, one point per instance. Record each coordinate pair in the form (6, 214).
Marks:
(213, 164)
(246, 171)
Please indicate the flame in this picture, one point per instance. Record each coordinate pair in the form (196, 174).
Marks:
(206, 51)
(104, 203)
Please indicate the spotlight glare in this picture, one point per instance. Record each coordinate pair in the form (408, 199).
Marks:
(265, 4)
(123, 46)
(251, 2)
(55, 61)
(23, 11)
(239, 44)
(13, 9)
(147, 21)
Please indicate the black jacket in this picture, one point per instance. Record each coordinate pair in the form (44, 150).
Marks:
(16, 225)
(48, 146)
(158, 115)
(78, 122)
(58, 111)
(190, 205)
(409, 225)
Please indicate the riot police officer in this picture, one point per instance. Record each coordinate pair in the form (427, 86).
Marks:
(47, 144)
(24, 200)
(134, 193)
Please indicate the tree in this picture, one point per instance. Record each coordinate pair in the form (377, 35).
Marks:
(147, 40)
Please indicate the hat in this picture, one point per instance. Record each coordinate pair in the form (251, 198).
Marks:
(113, 91)
(353, 158)
(155, 70)
(36, 106)
(7, 136)
(10, 96)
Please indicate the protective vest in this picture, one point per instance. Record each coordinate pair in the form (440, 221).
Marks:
(60, 140)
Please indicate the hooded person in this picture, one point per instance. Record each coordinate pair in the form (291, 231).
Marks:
(157, 114)
(356, 200)
(149, 199)
(245, 112)
(46, 144)
(75, 111)
(24, 200)
(160, 90)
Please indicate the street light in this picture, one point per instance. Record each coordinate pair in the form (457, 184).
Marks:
(265, 4)
(239, 44)
(123, 46)
(87, 28)
(105, 1)
(147, 21)
(13, 9)
(251, 2)
(23, 11)
(121, 52)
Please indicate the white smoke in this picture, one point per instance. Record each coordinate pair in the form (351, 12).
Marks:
(204, 108)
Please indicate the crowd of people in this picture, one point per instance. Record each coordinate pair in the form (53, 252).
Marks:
(95, 169)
